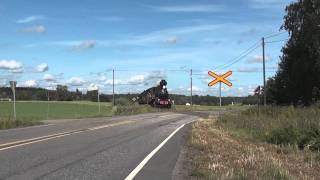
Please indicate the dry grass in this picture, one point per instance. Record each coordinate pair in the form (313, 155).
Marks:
(215, 154)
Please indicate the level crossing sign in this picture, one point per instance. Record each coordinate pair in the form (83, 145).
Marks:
(221, 78)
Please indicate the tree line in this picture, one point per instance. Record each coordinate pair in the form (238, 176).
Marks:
(62, 93)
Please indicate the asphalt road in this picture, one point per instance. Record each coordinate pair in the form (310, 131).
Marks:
(100, 148)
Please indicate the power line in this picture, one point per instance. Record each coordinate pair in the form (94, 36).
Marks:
(236, 58)
(283, 40)
(237, 71)
(240, 58)
(150, 70)
(274, 35)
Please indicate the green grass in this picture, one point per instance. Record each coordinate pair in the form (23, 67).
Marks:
(213, 154)
(233, 146)
(285, 126)
(29, 113)
(32, 112)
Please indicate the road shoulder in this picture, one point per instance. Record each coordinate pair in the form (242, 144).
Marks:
(167, 161)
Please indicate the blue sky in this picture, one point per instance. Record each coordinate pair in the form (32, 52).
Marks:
(77, 43)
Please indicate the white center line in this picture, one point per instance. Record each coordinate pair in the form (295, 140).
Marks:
(58, 135)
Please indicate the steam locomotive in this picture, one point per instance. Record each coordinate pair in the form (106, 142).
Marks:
(156, 96)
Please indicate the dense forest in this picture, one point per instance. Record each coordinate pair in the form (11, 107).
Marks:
(63, 94)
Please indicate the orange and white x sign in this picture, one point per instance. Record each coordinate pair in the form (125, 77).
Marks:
(220, 78)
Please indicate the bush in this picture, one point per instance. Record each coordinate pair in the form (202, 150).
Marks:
(7, 124)
(284, 136)
(133, 109)
(123, 101)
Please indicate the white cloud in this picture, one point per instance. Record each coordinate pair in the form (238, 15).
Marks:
(10, 65)
(30, 19)
(42, 67)
(17, 71)
(76, 81)
(29, 83)
(195, 89)
(49, 78)
(171, 40)
(93, 87)
(149, 79)
(190, 8)
(159, 36)
(35, 29)
(102, 78)
(152, 78)
(258, 59)
(116, 82)
(89, 44)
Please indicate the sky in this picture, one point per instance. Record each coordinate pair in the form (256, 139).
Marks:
(78, 42)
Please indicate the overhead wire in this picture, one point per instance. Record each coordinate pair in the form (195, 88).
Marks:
(275, 35)
(238, 59)
(254, 46)
(276, 41)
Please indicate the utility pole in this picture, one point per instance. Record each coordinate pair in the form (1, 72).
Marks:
(113, 100)
(191, 101)
(264, 73)
(48, 97)
(13, 88)
(220, 101)
(99, 101)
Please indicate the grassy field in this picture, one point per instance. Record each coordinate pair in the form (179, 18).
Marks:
(256, 144)
(29, 113)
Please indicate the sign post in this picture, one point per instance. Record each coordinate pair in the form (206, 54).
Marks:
(220, 101)
(219, 79)
(13, 85)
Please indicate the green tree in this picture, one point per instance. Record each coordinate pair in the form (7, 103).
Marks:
(62, 93)
(299, 69)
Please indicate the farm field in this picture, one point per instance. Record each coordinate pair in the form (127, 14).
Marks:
(37, 110)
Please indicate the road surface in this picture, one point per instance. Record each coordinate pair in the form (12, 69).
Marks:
(99, 148)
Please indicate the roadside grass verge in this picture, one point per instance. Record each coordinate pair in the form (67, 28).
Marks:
(215, 153)
(266, 143)
(207, 108)
(284, 126)
(10, 123)
(134, 109)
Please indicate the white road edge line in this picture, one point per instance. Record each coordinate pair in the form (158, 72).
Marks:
(146, 159)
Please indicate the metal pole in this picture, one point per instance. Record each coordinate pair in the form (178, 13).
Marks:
(220, 94)
(191, 100)
(14, 103)
(48, 103)
(99, 101)
(264, 74)
(113, 100)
